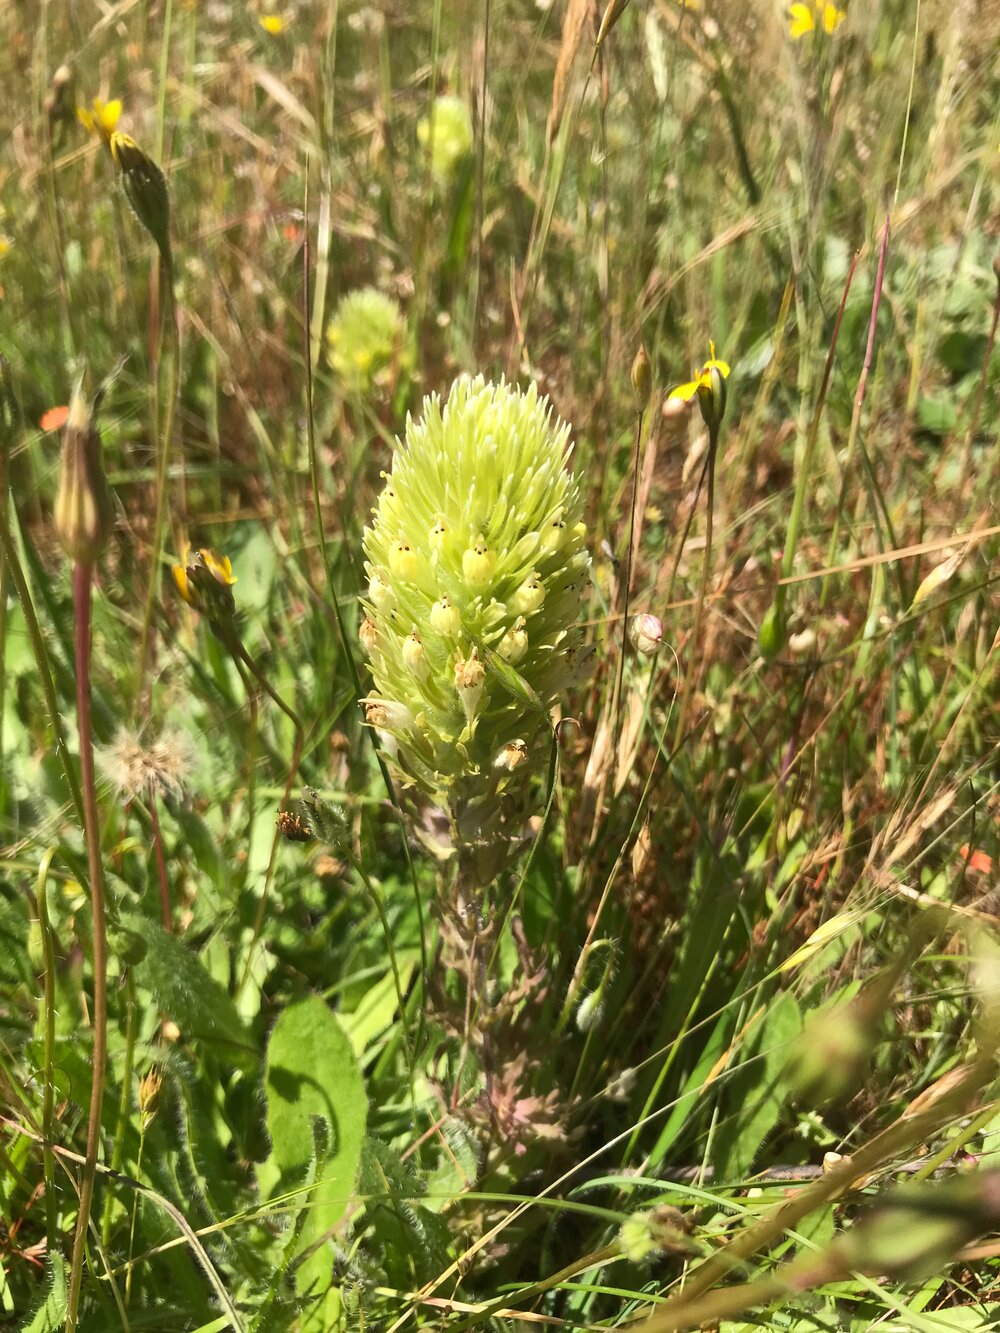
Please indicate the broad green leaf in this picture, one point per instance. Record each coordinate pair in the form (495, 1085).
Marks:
(316, 1115)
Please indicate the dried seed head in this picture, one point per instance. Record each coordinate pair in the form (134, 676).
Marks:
(139, 769)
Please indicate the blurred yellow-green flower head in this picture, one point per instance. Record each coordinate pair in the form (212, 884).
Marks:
(477, 564)
(448, 131)
(365, 339)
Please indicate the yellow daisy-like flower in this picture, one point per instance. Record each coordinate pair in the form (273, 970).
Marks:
(272, 23)
(102, 118)
(804, 18)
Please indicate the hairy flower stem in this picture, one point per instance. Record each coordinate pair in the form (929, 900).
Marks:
(161, 865)
(82, 581)
(691, 671)
(48, 1083)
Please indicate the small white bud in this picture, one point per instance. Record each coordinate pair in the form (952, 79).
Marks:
(646, 635)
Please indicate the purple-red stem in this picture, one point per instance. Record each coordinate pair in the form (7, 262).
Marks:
(161, 866)
(82, 580)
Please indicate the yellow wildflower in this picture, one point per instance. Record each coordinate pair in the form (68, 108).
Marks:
(102, 118)
(703, 380)
(205, 581)
(804, 18)
(272, 23)
(709, 387)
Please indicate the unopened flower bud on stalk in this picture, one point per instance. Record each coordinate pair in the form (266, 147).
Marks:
(646, 635)
(84, 510)
(642, 378)
(145, 188)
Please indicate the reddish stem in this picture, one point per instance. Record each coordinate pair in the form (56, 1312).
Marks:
(161, 866)
(82, 579)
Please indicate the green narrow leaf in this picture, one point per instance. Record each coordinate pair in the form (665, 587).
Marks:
(757, 1095)
(313, 1076)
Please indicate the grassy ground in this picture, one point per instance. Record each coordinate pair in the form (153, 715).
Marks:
(751, 929)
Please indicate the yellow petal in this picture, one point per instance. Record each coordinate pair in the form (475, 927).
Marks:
(685, 392)
(800, 21)
(181, 579)
(832, 18)
(108, 113)
(272, 23)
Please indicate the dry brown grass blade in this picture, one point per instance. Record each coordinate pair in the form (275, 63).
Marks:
(614, 11)
(576, 14)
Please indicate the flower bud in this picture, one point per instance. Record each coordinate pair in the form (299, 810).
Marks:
(84, 509)
(646, 635)
(642, 378)
(712, 398)
(145, 188)
(149, 1097)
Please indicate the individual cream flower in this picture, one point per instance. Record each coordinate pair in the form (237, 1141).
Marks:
(102, 118)
(477, 632)
(646, 635)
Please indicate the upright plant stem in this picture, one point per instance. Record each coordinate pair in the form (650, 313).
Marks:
(82, 579)
(690, 673)
(163, 467)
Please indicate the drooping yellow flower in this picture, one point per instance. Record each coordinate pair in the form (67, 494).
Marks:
(703, 380)
(272, 23)
(709, 387)
(102, 118)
